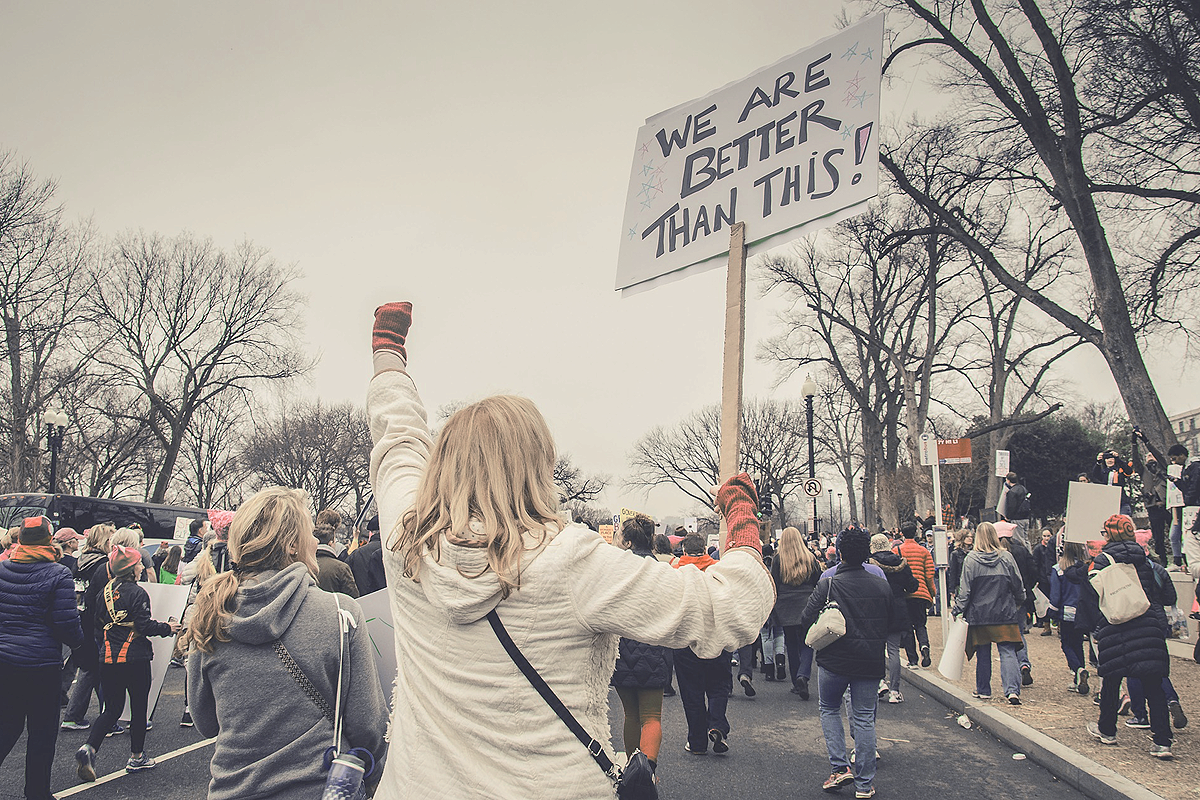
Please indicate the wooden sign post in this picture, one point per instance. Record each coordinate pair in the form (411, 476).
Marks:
(734, 359)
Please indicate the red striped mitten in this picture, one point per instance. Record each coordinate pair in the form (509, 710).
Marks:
(738, 501)
(392, 321)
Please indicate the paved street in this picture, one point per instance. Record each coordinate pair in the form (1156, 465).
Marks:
(776, 752)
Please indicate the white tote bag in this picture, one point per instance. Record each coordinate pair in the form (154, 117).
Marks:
(954, 654)
(1120, 590)
(1041, 603)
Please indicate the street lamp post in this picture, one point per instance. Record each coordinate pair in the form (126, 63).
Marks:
(809, 390)
(832, 528)
(56, 426)
(839, 509)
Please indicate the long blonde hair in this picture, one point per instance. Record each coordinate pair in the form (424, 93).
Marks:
(98, 537)
(796, 562)
(493, 462)
(986, 538)
(270, 531)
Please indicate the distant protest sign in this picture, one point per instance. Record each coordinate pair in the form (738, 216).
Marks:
(791, 148)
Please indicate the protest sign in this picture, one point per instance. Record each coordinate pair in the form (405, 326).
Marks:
(377, 611)
(1002, 462)
(1088, 506)
(167, 602)
(791, 148)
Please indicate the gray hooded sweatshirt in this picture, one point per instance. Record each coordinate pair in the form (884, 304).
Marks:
(270, 736)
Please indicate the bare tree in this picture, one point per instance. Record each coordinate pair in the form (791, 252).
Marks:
(1022, 73)
(45, 274)
(185, 323)
(108, 439)
(212, 474)
(573, 484)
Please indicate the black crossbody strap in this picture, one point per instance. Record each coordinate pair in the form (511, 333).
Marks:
(594, 747)
(302, 680)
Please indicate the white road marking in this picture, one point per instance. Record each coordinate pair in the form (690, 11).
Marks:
(121, 773)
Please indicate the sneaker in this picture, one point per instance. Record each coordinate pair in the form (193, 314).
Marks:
(801, 687)
(1175, 568)
(979, 696)
(925, 662)
(1094, 730)
(1178, 718)
(687, 748)
(837, 780)
(186, 722)
(883, 689)
(1026, 675)
(140, 762)
(863, 794)
(780, 670)
(913, 665)
(1137, 722)
(1046, 631)
(85, 758)
(747, 686)
(1096, 699)
(1014, 700)
(895, 698)
(1162, 751)
(733, 662)
(117, 729)
(149, 725)
(720, 746)
(1125, 706)
(72, 725)
(1081, 677)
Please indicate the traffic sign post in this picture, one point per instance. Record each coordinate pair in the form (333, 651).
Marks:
(812, 487)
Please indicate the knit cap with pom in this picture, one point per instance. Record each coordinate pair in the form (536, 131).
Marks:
(123, 560)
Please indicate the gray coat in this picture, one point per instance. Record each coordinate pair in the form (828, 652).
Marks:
(990, 591)
(270, 736)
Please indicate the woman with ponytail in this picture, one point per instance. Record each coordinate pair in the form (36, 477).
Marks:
(257, 634)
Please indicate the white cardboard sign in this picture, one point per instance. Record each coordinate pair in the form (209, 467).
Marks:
(1088, 506)
(167, 601)
(377, 611)
(1002, 461)
(791, 148)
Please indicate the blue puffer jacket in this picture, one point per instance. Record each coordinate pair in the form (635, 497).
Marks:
(37, 614)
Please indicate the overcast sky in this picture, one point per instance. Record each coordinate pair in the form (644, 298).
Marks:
(470, 157)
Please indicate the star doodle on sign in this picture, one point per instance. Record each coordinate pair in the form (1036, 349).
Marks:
(658, 185)
(868, 55)
(846, 132)
(852, 83)
(647, 169)
(647, 203)
(633, 233)
(647, 188)
(851, 52)
(657, 171)
(862, 98)
(644, 149)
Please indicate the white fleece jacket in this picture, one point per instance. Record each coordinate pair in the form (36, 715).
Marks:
(466, 723)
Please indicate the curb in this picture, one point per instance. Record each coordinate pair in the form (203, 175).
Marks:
(1094, 780)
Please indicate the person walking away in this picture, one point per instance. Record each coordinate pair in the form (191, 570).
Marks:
(123, 623)
(366, 562)
(1015, 507)
(469, 520)
(91, 574)
(1133, 649)
(266, 630)
(902, 583)
(1066, 580)
(795, 571)
(921, 563)
(1043, 562)
(1137, 695)
(1006, 531)
(642, 670)
(990, 596)
(37, 617)
(333, 575)
(855, 661)
(169, 570)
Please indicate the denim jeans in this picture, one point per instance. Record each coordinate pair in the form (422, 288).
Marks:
(772, 642)
(864, 698)
(893, 661)
(1023, 650)
(1010, 669)
(1176, 537)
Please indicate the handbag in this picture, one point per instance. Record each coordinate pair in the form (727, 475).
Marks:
(1121, 595)
(636, 781)
(830, 624)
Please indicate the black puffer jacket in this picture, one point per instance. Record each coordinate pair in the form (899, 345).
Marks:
(640, 665)
(899, 576)
(1137, 648)
(954, 573)
(871, 611)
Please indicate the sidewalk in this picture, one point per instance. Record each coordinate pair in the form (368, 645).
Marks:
(1049, 710)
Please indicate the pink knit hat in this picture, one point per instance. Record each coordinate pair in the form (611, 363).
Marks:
(220, 519)
(123, 560)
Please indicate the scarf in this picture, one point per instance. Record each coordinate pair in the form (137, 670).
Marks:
(33, 553)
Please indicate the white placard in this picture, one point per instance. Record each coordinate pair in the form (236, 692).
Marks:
(1088, 506)
(167, 601)
(1174, 493)
(1002, 459)
(690, 524)
(791, 148)
(377, 611)
(941, 546)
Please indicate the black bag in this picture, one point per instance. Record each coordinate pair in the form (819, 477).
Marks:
(636, 781)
